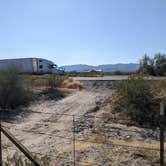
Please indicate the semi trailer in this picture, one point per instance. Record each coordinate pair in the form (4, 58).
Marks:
(30, 65)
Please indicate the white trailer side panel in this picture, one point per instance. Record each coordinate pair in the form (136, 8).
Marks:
(24, 65)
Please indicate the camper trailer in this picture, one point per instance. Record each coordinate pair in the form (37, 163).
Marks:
(29, 65)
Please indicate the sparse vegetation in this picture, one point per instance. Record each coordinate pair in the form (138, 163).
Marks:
(51, 81)
(35, 81)
(18, 160)
(92, 73)
(55, 81)
(92, 128)
(159, 86)
(137, 99)
(13, 93)
(72, 84)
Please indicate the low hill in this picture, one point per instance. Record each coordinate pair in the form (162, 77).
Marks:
(130, 67)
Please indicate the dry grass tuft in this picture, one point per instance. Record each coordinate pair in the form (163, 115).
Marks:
(34, 81)
(72, 84)
(159, 87)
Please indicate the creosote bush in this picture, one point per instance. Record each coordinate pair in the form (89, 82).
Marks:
(12, 90)
(55, 81)
(135, 97)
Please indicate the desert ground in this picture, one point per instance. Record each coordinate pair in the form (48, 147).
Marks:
(47, 129)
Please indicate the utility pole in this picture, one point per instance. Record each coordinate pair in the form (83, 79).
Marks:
(161, 134)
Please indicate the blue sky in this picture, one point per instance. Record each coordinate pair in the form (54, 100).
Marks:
(82, 31)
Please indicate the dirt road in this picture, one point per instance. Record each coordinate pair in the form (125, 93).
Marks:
(113, 78)
(38, 131)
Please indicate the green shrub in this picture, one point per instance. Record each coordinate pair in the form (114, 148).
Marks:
(136, 98)
(12, 90)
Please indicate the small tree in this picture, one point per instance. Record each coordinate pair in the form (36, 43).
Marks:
(146, 65)
(160, 64)
(12, 90)
(154, 66)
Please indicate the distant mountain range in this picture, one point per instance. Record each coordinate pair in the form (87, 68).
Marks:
(130, 67)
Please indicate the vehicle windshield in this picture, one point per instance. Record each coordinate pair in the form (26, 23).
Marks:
(53, 66)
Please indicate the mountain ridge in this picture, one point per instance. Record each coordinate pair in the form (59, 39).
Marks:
(123, 67)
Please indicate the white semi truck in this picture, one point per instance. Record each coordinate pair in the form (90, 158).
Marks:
(30, 65)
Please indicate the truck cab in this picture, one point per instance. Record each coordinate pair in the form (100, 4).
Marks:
(45, 66)
(48, 67)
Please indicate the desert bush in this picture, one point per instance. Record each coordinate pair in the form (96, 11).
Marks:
(159, 86)
(18, 160)
(72, 84)
(55, 81)
(33, 81)
(12, 90)
(135, 97)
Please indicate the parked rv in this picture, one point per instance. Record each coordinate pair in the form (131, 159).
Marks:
(30, 65)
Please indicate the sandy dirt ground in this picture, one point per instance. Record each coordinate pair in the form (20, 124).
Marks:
(47, 130)
(38, 131)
